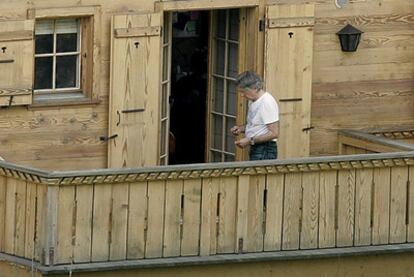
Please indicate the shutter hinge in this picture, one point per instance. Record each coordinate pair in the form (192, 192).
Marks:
(262, 25)
(161, 31)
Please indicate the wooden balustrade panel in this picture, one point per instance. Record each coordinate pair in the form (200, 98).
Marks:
(209, 216)
(173, 218)
(226, 213)
(363, 205)
(310, 210)
(346, 208)
(137, 218)
(3, 200)
(101, 222)
(274, 212)
(256, 214)
(10, 216)
(398, 204)
(191, 217)
(41, 219)
(410, 206)
(292, 211)
(155, 219)
(30, 217)
(381, 206)
(327, 208)
(65, 224)
(119, 222)
(83, 224)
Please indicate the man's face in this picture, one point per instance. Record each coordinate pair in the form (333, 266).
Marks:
(248, 93)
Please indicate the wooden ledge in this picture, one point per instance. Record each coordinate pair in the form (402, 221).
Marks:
(214, 259)
(191, 5)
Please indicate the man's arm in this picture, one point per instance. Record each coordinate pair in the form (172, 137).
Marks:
(272, 134)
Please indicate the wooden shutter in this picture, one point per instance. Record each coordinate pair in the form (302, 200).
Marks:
(134, 90)
(16, 62)
(288, 73)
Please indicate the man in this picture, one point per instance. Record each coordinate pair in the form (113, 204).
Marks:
(262, 128)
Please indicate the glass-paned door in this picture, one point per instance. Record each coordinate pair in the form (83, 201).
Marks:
(224, 68)
(165, 89)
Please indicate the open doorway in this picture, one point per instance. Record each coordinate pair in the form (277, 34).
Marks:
(203, 103)
(189, 67)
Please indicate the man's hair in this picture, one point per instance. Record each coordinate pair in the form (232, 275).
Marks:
(249, 79)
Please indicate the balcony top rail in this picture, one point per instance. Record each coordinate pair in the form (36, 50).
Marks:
(206, 170)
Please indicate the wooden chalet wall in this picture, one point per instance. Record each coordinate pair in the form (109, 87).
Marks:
(372, 87)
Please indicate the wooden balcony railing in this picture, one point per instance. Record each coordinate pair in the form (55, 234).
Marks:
(206, 209)
(357, 142)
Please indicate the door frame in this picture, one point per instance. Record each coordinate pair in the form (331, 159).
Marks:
(248, 37)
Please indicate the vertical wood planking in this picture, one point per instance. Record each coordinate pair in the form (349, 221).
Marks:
(137, 218)
(83, 231)
(227, 215)
(274, 212)
(243, 189)
(346, 208)
(410, 227)
(255, 214)
(292, 211)
(119, 222)
(155, 230)
(191, 217)
(172, 234)
(66, 199)
(398, 204)
(41, 215)
(10, 216)
(51, 218)
(381, 206)
(327, 204)
(363, 204)
(310, 210)
(3, 187)
(208, 232)
(101, 222)
(19, 235)
(30, 220)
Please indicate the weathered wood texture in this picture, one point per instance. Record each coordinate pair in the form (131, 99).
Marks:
(112, 215)
(370, 88)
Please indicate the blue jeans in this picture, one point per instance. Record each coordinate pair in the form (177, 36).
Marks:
(263, 151)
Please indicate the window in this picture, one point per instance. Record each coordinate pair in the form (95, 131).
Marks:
(57, 56)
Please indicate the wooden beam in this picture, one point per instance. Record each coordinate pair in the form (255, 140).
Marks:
(188, 5)
(137, 32)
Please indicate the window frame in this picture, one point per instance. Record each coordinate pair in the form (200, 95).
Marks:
(78, 53)
(89, 27)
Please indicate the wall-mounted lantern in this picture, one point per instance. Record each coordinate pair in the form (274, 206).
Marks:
(349, 37)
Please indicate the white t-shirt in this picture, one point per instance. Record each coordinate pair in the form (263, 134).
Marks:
(261, 112)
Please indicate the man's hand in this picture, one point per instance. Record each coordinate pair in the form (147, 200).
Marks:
(237, 130)
(242, 143)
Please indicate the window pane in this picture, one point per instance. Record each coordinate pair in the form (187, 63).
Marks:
(166, 31)
(163, 134)
(216, 156)
(230, 147)
(218, 94)
(229, 158)
(66, 67)
(43, 73)
(44, 44)
(231, 98)
(217, 132)
(219, 59)
(233, 57)
(234, 25)
(164, 100)
(67, 26)
(221, 24)
(165, 63)
(66, 43)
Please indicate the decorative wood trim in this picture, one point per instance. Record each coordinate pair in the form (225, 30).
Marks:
(79, 11)
(291, 22)
(187, 5)
(137, 32)
(15, 91)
